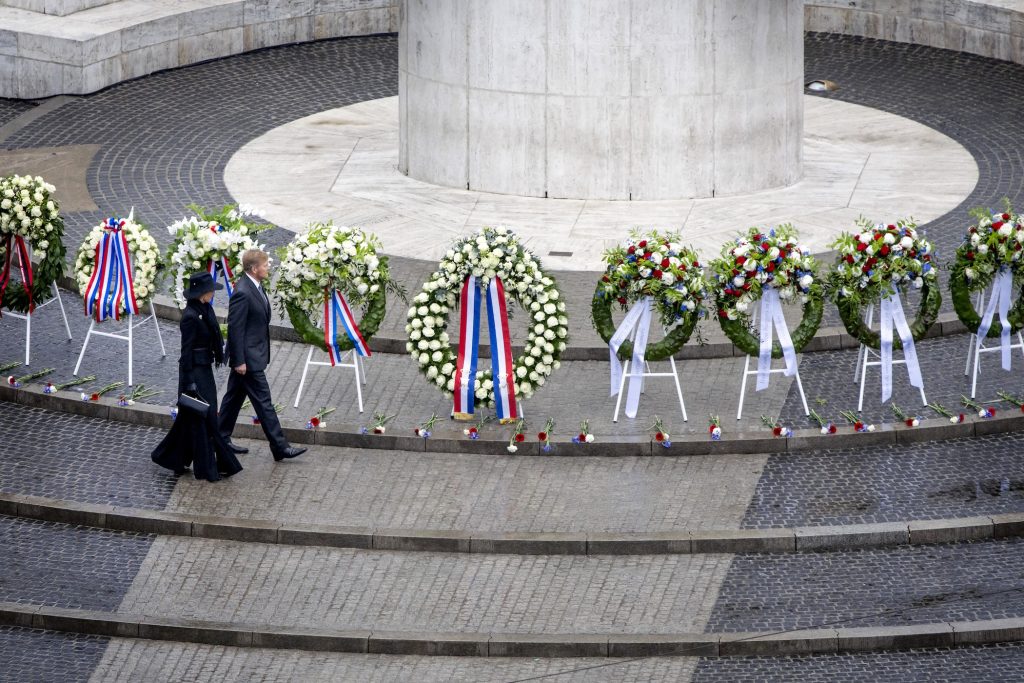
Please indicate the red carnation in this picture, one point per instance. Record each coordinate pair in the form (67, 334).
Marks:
(765, 246)
(884, 251)
(656, 274)
(858, 425)
(1022, 409)
(415, 430)
(971, 230)
(94, 397)
(992, 412)
(696, 264)
(315, 421)
(970, 256)
(582, 437)
(520, 438)
(472, 430)
(771, 267)
(910, 422)
(722, 313)
(892, 227)
(631, 250)
(711, 428)
(757, 237)
(777, 431)
(861, 246)
(849, 258)
(1006, 216)
(659, 437)
(542, 436)
(664, 263)
(642, 244)
(682, 266)
(746, 287)
(605, 278)
(997, 225)
(740, 260)
(865, 268)
(622, 300)
(831, 429)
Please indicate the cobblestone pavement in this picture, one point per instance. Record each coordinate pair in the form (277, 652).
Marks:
(46, 563)
(36, 655)
(876, 587)
(343, 588)
(12, 109)
(987, 664)
(956, 478)
(137, 660)
(76, 458)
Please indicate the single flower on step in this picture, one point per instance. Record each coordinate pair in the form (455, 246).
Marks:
(425, 428)
(1009, 398)
(855, 420)
(98, 394)
(517, 436)
(901, 415)
(715, 427)
(474, 431)
(661, 433)
(545, 436)
(584, 436)
(984, 412)
(941, 410)
(17, 382)
(776, 427)
(317, 421)
(379, 420)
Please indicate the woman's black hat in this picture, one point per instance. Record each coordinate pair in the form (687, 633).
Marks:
(199, 284)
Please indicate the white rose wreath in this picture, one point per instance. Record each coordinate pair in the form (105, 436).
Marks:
(144, 254)
(490, 253)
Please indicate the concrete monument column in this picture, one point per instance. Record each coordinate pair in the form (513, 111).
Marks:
(602, 99)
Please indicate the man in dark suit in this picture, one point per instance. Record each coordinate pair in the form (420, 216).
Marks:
(249, 355)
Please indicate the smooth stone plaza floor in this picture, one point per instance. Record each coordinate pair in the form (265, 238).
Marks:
(341, 165)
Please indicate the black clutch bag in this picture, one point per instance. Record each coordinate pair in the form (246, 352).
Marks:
(193, 404)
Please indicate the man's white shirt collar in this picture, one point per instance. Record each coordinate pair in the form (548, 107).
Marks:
(254, 280)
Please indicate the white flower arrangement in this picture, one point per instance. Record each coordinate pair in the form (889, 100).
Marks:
(27, 210)
(199, 240)
(486, 254)
(144, 253)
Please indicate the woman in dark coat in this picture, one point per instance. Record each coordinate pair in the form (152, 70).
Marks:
(194, 439)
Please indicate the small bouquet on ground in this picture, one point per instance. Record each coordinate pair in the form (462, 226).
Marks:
(907, 420)
(255, 418)
(858, 424)
(317, 421)
(424, 428)
(660, 433)
(984, 412)
(9, 366)
(474, 431)
(715, 427)
(379, 420)
(52, 388)
(96, 395)
(517, 435)
(137, 393)
(944, 412)
(17, 382)
(1010, 398)
(545, 436)
(776, 427)
(826, 426)
(584, 436)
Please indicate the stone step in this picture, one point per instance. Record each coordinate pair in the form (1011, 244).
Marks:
(681, 541)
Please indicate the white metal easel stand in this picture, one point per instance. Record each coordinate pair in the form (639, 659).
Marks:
(126, 336)
(980, 304)
(863, 355)
(747, 372)
(674, 374)
(27, 317)
(349, 359)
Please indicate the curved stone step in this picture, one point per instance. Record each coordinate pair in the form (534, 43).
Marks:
(804, 641)
(682, 541)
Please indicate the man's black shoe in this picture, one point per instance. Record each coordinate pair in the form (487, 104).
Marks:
(290, 452)
(239, 450)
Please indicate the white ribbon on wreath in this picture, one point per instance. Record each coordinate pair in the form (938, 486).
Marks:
(773, 318)
(892, 316)
(1000, 300)
(639, 319)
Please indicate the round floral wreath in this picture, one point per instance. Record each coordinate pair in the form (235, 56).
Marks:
(145, 258)
(327, 257)
(758, 259)
(656, 265)
(208, 236)
(491, 252)
(28, 210)
(996, 242)
(872, 263)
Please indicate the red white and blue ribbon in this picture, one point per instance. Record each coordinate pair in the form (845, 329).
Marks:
(469, 343)
(17, 242)
(501, 352)
(213, 266)
(111, 288)
(337, 314)
(502, 370)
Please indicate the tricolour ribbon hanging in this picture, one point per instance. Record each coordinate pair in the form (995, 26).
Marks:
(999, 300)
(892, 316)
(636, 325)
(17, 242)
(111, 287)
(213, 266)
(336, 311)
(773, 318)
(501, 350)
